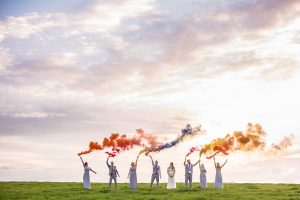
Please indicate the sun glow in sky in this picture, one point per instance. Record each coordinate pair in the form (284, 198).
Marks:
(76, 71)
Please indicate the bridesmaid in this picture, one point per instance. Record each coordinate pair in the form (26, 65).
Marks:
(86, 174)
(132, 175)
(203, 182)
(218, 178)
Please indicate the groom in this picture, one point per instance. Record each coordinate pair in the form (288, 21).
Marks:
(155, 173)
(189, 171)
(113, 172)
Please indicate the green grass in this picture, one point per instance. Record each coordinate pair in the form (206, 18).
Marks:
(51, 190)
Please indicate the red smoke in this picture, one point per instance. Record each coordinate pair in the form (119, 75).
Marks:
(121, 142)
(113, 152)
(192, 150)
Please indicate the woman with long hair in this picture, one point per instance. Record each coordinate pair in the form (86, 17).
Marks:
(171, 176)
(218, 178)
(86, 174)
(132, 175)
(203, 182)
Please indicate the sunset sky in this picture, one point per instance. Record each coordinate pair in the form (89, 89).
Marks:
(73, 71)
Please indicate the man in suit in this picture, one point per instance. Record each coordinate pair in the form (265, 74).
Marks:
(155, 173)
(189, 171)
(113, 172)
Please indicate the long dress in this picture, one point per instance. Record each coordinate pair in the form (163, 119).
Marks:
(133, 178)
(203, 182)
(86, 178)
(218, 179)
(171, 179)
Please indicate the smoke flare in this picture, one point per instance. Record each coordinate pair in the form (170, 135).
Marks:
(186, 132)
(113, 152)
(249, 140)
(149, 141)
(192, 150)
(120, 143)
(286, 142)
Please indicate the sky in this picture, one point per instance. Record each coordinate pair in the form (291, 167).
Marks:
(74, 71)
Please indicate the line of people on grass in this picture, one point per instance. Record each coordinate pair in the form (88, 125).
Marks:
(156, 174)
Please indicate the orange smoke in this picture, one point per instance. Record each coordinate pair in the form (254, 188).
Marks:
(122, 142)
(286, 142)
(251, 139)
(150, 138)
(92, 147)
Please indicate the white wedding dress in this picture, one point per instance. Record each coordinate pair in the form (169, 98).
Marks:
(171, 179)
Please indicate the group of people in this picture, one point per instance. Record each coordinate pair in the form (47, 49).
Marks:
(156, 174)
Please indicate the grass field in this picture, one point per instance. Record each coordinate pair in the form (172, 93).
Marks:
(50, 190)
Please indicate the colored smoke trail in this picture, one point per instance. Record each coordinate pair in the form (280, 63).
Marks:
(149, 141)
(192, 150)
(249, 140)
(186, 132)
(120, 143)
(286, 142)
(113, 152)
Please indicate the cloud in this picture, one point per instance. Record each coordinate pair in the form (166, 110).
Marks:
(100, 17)
(36, 115)
(115, 55)
(122, 62)
(280, 171)
(6, 59)
(281, 69)
(266, 14)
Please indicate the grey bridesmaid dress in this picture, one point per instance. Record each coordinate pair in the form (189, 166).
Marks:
(133, 178)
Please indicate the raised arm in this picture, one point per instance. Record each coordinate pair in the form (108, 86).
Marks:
(215, 162)
(196, 163)
(136, 161)
(184, 161)
(81, 161)
(224, 163)
(107, 162)
(152, 160)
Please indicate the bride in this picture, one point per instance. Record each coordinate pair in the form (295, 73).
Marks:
(171, 180)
